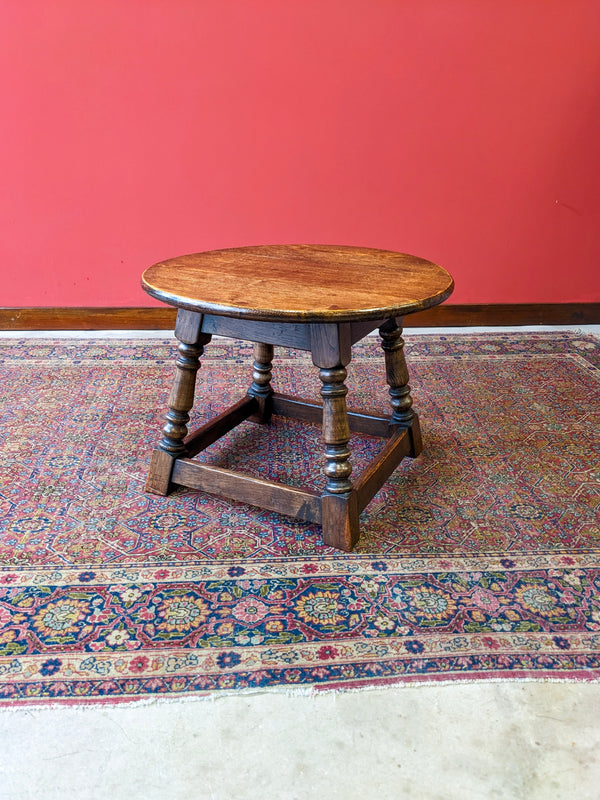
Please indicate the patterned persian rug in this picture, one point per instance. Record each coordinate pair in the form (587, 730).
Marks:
(479, 559)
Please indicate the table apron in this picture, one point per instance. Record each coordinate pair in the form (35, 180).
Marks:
(286, 334)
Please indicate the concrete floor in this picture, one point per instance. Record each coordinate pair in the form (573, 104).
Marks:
(502, 741)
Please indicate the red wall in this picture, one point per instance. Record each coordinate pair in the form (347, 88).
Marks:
(465, 131)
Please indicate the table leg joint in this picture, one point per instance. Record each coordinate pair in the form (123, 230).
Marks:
(340, 522)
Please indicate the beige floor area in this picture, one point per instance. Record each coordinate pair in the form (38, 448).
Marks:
(461, 741)
(517, 741)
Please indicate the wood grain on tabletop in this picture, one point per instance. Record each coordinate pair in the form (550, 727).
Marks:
(304, 283)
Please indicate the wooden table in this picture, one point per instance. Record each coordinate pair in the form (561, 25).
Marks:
(321, 299)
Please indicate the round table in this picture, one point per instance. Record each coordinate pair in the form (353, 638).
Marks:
(319, 298)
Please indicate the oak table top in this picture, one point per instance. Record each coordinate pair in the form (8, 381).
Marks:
(299, 283)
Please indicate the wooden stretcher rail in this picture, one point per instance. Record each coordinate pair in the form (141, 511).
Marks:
(381, 467)
(302, 503)
(206, 435)
(359, 421)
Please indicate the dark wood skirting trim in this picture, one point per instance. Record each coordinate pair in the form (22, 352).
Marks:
(87, 319)
(93, 319)
(506, 314)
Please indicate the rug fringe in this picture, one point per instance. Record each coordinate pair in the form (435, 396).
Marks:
(310, 692)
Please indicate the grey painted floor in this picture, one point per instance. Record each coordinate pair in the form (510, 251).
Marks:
(503, 741)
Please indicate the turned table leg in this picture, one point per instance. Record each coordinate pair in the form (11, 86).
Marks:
(336, 432)
(260, 387)
(331, 353)
(397, 378)
(180, 403)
